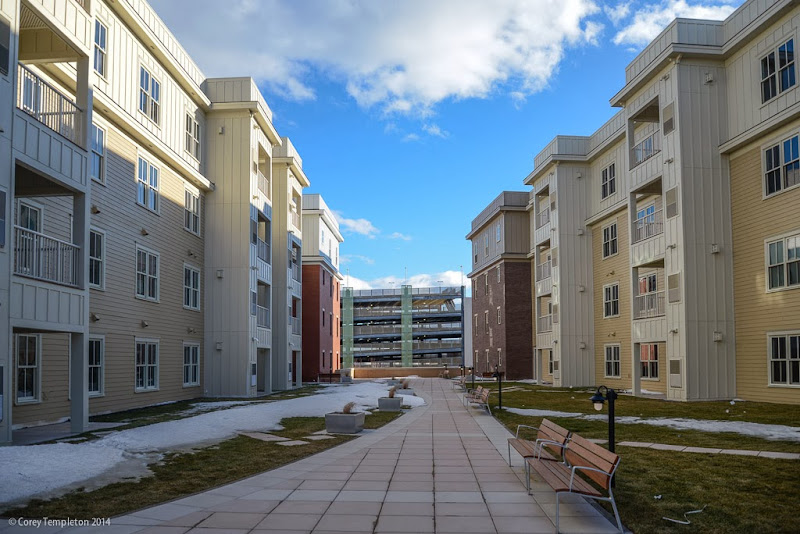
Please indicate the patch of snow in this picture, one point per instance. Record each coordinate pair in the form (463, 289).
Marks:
(200, 407)
(528, 381)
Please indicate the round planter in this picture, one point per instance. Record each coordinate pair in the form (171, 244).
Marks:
(390, 404)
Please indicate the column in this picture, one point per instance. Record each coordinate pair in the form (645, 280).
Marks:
(406, 335)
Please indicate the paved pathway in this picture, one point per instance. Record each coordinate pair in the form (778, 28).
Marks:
(437, 469)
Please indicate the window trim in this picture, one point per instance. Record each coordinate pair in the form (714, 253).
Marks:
(617, 346)
(102, 366)
(770, 335)
(101, 259)
(499, 321)
(148, 184)
(650, 364)
(157, 276)
(37, 399)
(147, 341)
(615, 239)
(102, 178)
(776, 74)
(191, 267)
(191, 344)
(192, 137)
(607, 181)
(767, 242)
(102, 49)
(776, 142)
(148, 112)
(497, 231)
(192, 193)
(609, 286)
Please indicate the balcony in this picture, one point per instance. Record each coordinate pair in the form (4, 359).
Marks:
(646, 149)
(263, 250)
(544, 323)
(648, 226)
(648, 305)
(542, 218)
(47, 105)
(296, 324)
(544, 271)
(295, 218)
(263, 185)
(295, 272)
(45, 258)
(262, 317)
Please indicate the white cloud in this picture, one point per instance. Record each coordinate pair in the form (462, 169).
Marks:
(348, 258)
(410, 137)
(617, 13)
(445, 278)
(398, 56)
(398, 235)
(356, 226)
(648, 22)
(435, 130)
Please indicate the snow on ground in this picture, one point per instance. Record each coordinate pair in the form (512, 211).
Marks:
(200, 407)
(37, 469)
(758, 430)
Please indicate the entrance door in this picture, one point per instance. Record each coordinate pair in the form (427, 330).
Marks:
(264, 370)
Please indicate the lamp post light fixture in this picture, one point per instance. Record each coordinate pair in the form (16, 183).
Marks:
(598, 399)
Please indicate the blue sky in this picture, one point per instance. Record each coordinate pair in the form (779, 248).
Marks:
(412, 116)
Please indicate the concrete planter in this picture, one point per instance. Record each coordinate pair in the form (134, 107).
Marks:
(345, 376)
(344, 423)
(409, 392)
(390, 404)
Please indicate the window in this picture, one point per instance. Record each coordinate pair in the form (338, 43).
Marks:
(192, 137)
(100, 34)
(486, 322)
(486, 245)
(28, 376)
(475, 252)
(497, 232)
(96, 357)
(146, 365)
(97, 254)
(672, 202)
(611, 300)
(97, 165)
(498, 274)
(474, 287)
(782, 165)
(610, 240)
(146, 274)
(674, 287)
(476, 324)
(612, 361)
(498, 315)
(485, 283)
(668, 116)
(191, 219)
(330, 323)
(608, 184)
(5, 46)
(784, 360)
(253, 303)
(777, 77)
(191, 365)
(648, 283)
(323, 316)
(783, 262)
(551, 363)
(191, 288)
(149, 95)
(648, 359)
(147, 185)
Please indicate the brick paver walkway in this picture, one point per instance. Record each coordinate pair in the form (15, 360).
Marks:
(438, 468)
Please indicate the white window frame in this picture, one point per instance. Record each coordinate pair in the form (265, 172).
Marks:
(612, 356)
(147, 274)
(191, 211)
(774, 76)
(100, 48)
(101, 366)
(784, 264)
(608, 303)
(774, 165)
(98, 151)
(192, 137)
(498, 274)
(788, 359)
(485, 283)
(187, 367)
(190, 290)
(498, 315)
(36, 370)
(608, 181)
(650, 283)
(98, 259)
(148, 182)
(146, 365)
(149, 105)
(649, 367)
(498, 232)
(607, 243)
(486, 322)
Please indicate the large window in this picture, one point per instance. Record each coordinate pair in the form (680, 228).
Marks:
(498, 232)
(97, 254)
(191, 288)
(777, 71)
(611, 300)
(28, 372)
(146, 274)
(648, 358)
(97, 165)
(147, 185)
(96, 357)
(610, 240)
(608, 184)
(784, 359)
(783, 262)
(192, 137)
(149, 95)
(782, 165)
(146, 364)
(191, 219)
(191, 365)
(100, 35)
(612, 361)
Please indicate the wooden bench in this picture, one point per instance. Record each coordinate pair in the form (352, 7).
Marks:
(549, 444)
(460, 382)
(482, 399)
(471, 394)
(583, 458)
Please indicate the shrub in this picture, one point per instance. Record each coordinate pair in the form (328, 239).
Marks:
(406, 382)
(348, 408)
(392, 391)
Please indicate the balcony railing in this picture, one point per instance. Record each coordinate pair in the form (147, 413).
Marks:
(648, 226)
(648, 305)
(544, 323)
(296, 219)
(46, 104)
(263, 250)
(263, 185)
(543, 217)
(544, 271)
(295, 272)
(296, 324)
(45, 258)
(262, 316)
(646, 149)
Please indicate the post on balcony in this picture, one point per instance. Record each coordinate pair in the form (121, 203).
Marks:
(79, 391)
(83, 98)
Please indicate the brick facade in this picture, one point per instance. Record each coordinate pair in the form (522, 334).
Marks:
(321, 339)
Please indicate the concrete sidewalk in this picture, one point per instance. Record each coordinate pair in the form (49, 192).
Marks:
(439, 468)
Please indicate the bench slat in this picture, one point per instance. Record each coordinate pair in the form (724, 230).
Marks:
(557, 476)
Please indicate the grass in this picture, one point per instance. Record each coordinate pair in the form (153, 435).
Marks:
(743, 494)
(182, 474)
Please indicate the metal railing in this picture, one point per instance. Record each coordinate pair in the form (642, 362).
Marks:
(543, 217)
(45, 258)
(544, 323)
(648, 305)
(296, 324)
(262, 316)
(263, 185)
(262, 250)
(648, 226)
(46, 104)
(646, 149)
(296, 219)
(544, 271)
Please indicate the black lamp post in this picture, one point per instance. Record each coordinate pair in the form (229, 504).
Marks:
(472, 369)
(598, 399)
(499, 377)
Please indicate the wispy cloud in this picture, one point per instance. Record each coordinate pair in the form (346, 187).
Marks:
(618, 13)
(398, 235)
(435, 130)
(356, 226)
(347, 259)
(647, 22)
(410, 138)
(445, 278)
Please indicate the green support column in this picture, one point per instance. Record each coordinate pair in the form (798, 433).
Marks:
(347, 327)
(406, 340)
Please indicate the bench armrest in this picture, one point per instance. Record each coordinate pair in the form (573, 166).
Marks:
(525, 426)
(540, 443)
(575, 468)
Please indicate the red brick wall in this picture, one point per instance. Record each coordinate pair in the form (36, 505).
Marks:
(319, 338)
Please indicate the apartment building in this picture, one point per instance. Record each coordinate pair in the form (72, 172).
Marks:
(321, 289)
(137, 201)
(501, 288)
(671, 233)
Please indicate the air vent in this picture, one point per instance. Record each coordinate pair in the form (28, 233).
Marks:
(672, 202)
(669, 118)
